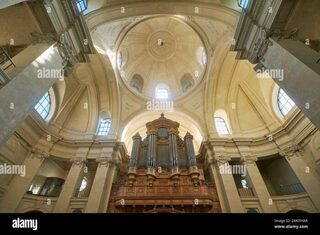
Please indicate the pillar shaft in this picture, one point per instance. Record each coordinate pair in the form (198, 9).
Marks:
(215, 175)
(94, 204)
(108, 186)
(26, 88)
(260, 188)
(229, 187)
(69, 187)
(301, 74)
(307, 178)
(19, 184)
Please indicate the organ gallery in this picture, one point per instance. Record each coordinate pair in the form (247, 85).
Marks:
(164, 175)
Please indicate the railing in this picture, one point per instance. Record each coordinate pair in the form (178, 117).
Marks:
(291, 189)
(5, 59)
(4, 78)
(245, 192)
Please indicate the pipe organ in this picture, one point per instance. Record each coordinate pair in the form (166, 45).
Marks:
(164, 175)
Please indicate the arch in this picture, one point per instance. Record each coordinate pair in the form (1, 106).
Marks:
(137, 82)
(186, 82)
(137, 123)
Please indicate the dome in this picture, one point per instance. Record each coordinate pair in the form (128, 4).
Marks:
(161, 51)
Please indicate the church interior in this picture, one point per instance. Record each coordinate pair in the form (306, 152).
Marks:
(158, 106)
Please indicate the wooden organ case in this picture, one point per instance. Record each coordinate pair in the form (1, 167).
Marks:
(163, 175)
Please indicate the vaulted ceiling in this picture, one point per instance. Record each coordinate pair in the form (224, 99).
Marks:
(225, 85)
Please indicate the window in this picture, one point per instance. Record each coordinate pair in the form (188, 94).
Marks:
(204, 57)
(244, 183)
(83, 185)
(120, 60)
(221, 126)
(104, 127)
(43, 106)
(243, 3)
(162, 92)
(82, 5)
(285, 103)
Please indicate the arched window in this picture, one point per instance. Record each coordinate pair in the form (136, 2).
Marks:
(221, 126)
(43, 106)
(186, 82)
(162, 92)
(104, 127)
(137, 82)
(243, 3)
(285, 103)
(82, 5)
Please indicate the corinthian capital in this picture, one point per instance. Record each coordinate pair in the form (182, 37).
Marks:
(290, 151)
(77, 161)
(249, 159)
(222, 159)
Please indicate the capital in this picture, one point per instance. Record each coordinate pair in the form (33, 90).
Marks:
(249, 159)
(290, 151)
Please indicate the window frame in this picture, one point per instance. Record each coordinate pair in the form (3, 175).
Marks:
(48, 107)
(105, 129)
(283, 99)
(222, 130)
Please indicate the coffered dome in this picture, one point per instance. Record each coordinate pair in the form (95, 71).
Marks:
(161, 51)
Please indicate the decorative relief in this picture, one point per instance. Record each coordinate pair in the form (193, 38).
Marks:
(290, 151)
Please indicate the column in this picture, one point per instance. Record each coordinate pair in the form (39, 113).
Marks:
(311, 184)
(19, 184)
(173, 155)
(112, 170)
(259, 185)
(134, 157)
(193, 168)
(69, 187)
(229, 187)
(8, 3)
(108, 187)
(300, 67)
(26, 88)
(98, 187)
(152, 148)
(214, 172)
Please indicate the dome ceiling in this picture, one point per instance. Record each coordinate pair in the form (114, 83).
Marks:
(162, 50)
